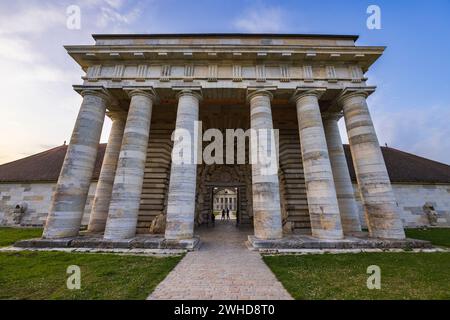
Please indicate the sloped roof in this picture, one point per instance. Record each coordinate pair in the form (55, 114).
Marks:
(43, 167)
(402, 167)
(406, 167)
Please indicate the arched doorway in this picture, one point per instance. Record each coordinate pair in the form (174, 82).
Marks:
(215, 178)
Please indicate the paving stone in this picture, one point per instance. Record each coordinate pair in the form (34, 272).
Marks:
(222, 268)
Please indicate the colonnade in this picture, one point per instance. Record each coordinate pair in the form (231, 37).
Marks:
(331, 202)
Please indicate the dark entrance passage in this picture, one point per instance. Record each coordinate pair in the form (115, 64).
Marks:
(224, 186)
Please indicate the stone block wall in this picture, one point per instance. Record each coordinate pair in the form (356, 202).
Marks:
(37, 197)
(412, 197)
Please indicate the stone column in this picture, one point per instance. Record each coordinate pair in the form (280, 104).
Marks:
(127, 188)
(265, 185)
(102, 198)
(69, 199)
(378, 199)
(320, 190)
(183, 175)
(344, 188)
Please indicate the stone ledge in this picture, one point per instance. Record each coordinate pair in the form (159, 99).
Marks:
(97, 242)
(352, 242)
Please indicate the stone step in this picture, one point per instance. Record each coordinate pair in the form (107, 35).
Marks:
(152, 196)
(150, 206)
(148, 215)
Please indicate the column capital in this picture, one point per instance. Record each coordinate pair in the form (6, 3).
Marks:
(148, 92)
(302, 92)
(348, 93)
(197, 93)
(98, 91)
(251, 93)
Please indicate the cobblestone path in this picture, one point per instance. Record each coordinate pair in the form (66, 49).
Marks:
(222, 269)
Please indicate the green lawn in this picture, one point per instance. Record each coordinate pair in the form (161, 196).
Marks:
(42, 275)
(437, 236)
(343, 276)
(10, 235)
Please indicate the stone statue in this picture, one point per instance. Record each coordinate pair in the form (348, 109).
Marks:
(18, 212)
(432, 215)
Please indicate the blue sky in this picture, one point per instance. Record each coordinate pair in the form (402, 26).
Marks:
(411, 108)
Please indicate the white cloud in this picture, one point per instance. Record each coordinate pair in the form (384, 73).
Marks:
(33, 19)
(261, 19)
(16, 49)
(420, 130)
(111, 16)
(40, 107)
(115, 3)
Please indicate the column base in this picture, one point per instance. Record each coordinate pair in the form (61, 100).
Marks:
(361, 240)
(96, 241)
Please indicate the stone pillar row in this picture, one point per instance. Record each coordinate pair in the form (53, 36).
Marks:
(127, 188)
(116, 203)
(331, 202)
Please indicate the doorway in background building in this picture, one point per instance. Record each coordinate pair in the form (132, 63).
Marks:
(225, 206)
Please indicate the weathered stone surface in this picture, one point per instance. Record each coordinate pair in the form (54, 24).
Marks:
(182, 187)
(69, 199)
(45, 243)
(102, 197)
(410, 199)
(378, 199)
(343, 184)
(265, 185)
(158, 225)
(353, 242)
(320, 189)
(38, 207)
(126, 193)
(97, 242)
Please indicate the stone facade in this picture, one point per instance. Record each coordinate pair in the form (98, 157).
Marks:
(38, 198)
(411, 199)
(286, 83)
(225, 198)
